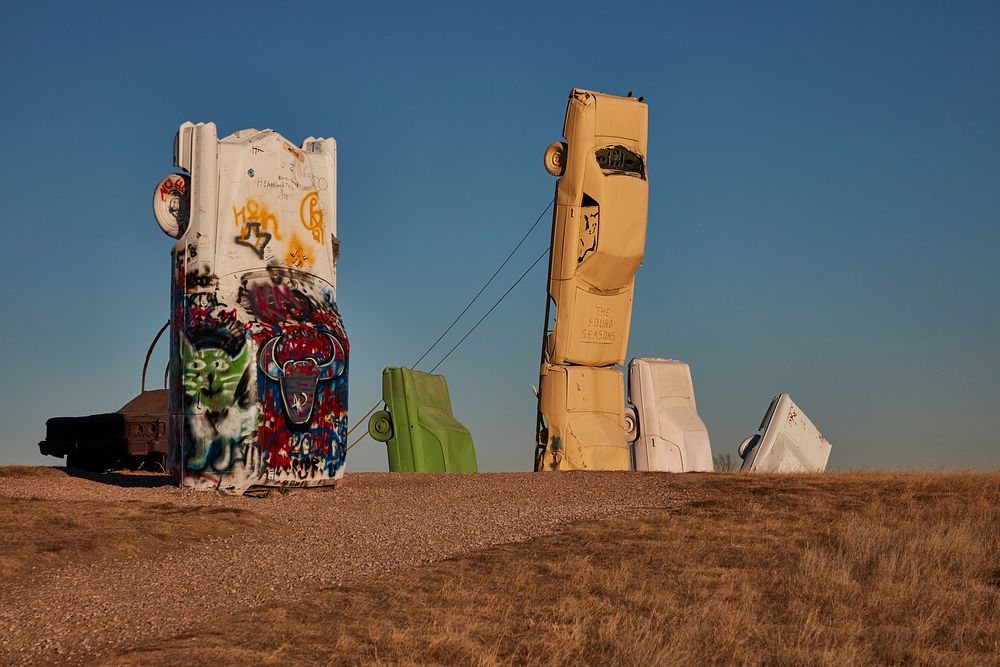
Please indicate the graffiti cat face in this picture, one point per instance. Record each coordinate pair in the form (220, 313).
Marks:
(211, 376)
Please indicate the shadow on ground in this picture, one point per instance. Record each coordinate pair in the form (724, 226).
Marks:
(142, 480)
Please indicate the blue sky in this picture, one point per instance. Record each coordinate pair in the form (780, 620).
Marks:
(824, 213)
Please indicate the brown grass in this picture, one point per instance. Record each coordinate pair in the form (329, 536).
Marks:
(826, 570)
(37, 534)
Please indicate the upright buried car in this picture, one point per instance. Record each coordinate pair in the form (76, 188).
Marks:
(419, 428)
(668, 434)
(598, 239)
(258, 359)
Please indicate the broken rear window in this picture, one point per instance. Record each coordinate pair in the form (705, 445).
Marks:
(620, 160)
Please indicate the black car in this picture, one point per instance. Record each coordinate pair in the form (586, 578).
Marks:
(134, 437)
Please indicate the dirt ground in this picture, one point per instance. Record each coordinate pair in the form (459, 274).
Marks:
(104, 563)
(622, 568)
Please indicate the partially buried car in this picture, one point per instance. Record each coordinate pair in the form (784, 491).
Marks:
(134, 437)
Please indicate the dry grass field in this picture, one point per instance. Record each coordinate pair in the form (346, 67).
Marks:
(871, 568)
(42, 534)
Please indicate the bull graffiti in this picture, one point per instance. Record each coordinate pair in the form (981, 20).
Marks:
(298, 361)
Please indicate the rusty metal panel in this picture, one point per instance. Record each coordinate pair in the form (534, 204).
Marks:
(788, 441)
(258, 370)
(671, 435)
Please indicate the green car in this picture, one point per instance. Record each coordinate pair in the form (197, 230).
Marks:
(422, 433)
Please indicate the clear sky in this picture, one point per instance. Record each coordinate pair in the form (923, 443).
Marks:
(824, 211)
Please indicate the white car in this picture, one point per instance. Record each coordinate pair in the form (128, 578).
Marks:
(787, 442)
(667, 433)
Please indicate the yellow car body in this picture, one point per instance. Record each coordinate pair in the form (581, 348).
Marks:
(598, 239)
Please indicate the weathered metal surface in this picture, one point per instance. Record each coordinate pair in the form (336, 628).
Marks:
(598, 239)
(671, 435)
(421, 433)
(133, 437)
(585, 420)
(788, 441)
(259, 356)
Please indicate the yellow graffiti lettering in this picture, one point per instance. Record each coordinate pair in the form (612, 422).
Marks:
(312, 215)
(256, 211)
(297, 255)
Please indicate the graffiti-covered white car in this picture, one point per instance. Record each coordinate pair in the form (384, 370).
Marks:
(259, 355)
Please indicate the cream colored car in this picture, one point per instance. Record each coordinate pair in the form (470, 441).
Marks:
(598, 239)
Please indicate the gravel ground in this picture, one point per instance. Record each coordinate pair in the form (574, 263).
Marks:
(307, 541)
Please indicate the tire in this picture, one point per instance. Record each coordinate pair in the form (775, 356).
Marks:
(631, 425)
(555, 158)
(73, 461)
(380, 426)
(747, 445)
(172, 204)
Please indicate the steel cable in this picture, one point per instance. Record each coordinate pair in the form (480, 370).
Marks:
(461, 314)
(476, 325)
(483, 288)
(462, 340)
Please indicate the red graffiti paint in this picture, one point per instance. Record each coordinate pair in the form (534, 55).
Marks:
(299, 360)
(275, 302)
(172, 187)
